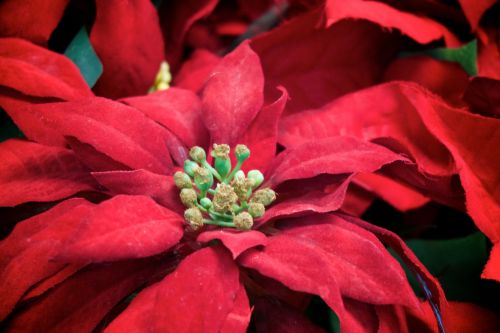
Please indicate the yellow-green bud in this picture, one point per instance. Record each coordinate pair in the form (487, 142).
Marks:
(194, 218)
(239, 174)
(242, 152)
(190, 167)
(264, 196)
(198, 154)
(256, 209)
(243, 221)
(242, 187)
(224, 198)
(182, 180)
(206, 203)
(256, 177)
(203, 178)
(188, 197)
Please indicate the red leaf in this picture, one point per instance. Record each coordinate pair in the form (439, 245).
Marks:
(141, 182)
(177, 18)
(483, 96)
(444, 78)
(238, 319)
(261, 136)
(474, 9)
(321, 194)
(33, 172)
(123, 227)
(308, 62)
(436, 294)
(205, 286)
(52, 281)
(36, 71)
(81, 302)
(196, 70)
(464, 318)
(233, 95)
(333, 259)
(235, 242)
(421, 29)
(119, 131)
(26, 253)
(273, 316)
(176, 109)
(33, 20)
(400, 196)
(329, 156)
(132, 60)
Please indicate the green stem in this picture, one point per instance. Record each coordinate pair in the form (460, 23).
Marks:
(211, 191)
(219, 223)
(219, 215)
(244, 205)
(212, 170)
(237, 168)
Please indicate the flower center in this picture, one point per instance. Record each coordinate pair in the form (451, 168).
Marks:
(219, 195)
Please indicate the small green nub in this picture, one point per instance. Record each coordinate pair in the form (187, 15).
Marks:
(194, 218)
(206, 203)
(242, 152)
(188, 197)
(190, 167)
(256, 177)
(203, 179)
(243, 221)
(198, 154)
(224, 198)
(265, 196)
(223, 166)
(256, 209)
(182, 180)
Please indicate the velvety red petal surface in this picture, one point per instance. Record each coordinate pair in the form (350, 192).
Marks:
(36, 71)
(205, 286)
(81, 302)
(310, 66)
(133, 59)
(334, 155)
(178, 110)
(26, 254)
(443, 78)
(34, 172)
(195, 71)
(233, 95)
(142, 182)
(301, 258)
(421, 29)
(119, 131)
(234, 241)
(33, 19)
(483, 96)
(238, 319)
(124, 227)
(262, 135)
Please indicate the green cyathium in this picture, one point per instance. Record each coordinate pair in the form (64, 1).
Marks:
(218, 195)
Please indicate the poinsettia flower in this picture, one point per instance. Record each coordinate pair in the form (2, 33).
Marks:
(137, 241)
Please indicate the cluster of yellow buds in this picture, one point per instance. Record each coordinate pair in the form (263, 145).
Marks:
(219, 195)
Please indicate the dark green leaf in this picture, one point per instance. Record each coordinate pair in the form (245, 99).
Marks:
(457, 263)
(81, 52)
(465, 56)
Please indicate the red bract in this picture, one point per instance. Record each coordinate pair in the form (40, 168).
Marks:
(131, 148)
